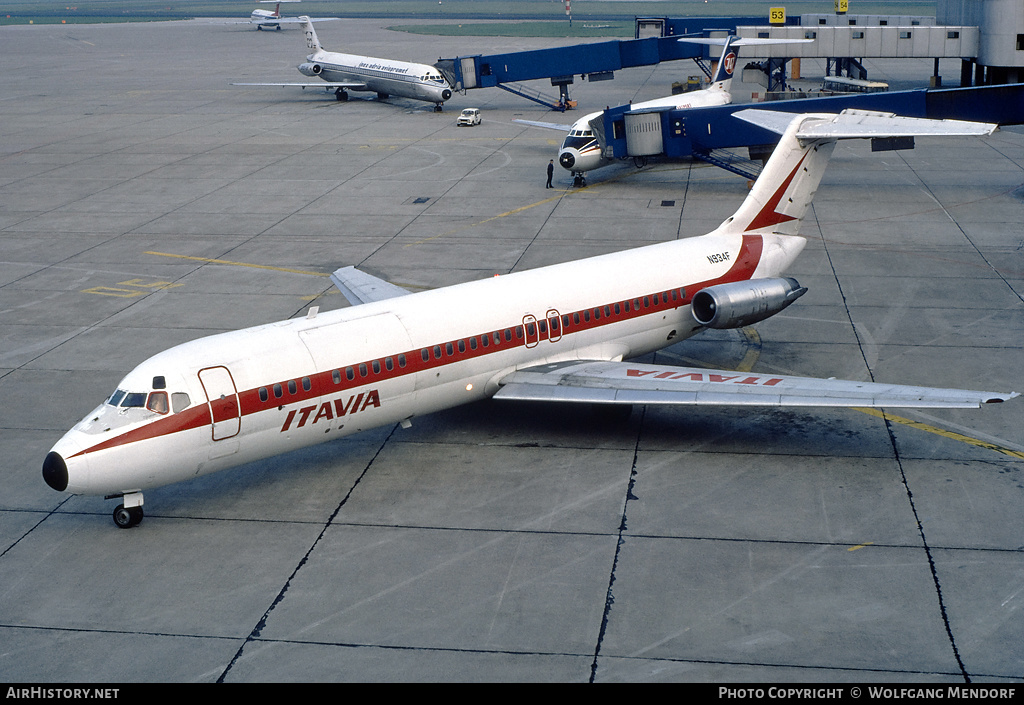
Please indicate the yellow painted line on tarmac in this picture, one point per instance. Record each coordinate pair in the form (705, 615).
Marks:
(953, 435)
(239, 264)
(863, 545)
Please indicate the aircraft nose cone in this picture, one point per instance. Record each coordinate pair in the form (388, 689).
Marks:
(55, 471)
(567, 160)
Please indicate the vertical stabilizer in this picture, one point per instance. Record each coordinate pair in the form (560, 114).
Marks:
(782, 193)
(312, 41)
(722, 80)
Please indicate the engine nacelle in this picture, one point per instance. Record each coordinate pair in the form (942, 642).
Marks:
(310, 69)
(739, 304)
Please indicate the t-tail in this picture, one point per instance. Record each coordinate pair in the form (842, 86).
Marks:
(722, 78)
(312, 41)
(778, 200)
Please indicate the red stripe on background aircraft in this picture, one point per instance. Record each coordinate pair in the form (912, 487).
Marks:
(558, 333)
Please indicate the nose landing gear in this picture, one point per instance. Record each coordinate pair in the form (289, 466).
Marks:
(130, 513)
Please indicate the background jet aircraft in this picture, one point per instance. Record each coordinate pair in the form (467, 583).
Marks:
(581, 151)
(385, 77)
(267, 18)
(558, 333)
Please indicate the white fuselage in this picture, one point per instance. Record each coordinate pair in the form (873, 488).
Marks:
(581, 152)
(383, 76)
(240, 396)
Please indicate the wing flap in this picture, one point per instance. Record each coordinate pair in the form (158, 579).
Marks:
(362, 288)
(602, 382)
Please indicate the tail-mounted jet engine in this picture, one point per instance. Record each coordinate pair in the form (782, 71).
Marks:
(310, 69)
(739, 304)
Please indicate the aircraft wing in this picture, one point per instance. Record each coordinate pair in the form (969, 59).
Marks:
(318, 84)
(362, 288)
(606, 382)
(547, 125)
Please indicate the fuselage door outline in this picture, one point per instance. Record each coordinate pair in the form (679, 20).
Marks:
(554, 325)
(531, 331)
(222, 399)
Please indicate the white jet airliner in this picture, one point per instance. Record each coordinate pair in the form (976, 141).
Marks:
(581, 149)
(385, 77)
(560, 333)
(266, 18)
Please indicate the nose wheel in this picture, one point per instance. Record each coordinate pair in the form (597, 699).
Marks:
(130, 513)
(127, 518)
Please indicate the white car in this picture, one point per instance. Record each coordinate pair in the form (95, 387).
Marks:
(469, 117)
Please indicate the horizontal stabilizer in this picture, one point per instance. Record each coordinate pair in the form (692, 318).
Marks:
(854, 124)
(362, 288)
(604, 382)
(546, 125)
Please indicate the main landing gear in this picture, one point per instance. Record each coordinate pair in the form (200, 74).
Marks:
(130, 513)
(438, 108)
(341, 94)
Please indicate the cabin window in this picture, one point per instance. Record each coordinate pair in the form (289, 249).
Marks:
(626, 305)
(292, 387)
(389, 364)
(636, 304)
(350, 373)
(362, 369)
(462, 346)
(576, 318)
(508, 336)
(307, 384)
(437, 352)
(401, 360)
(519, 332)
(608, 311)
(565, 321)
(485, 339)
(597, 314)
(336, 376)
(425, 354)
(158, 402)
(278, 391)
(376, 367)
(531, 329)
(472, 343)
(264, 394)
(180, 401)
(159, 382)
(647, 302)
(449, 349)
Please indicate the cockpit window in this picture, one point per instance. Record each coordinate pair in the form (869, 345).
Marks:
(180, 401)
(133, 399)
(125, 399)
(158, 402)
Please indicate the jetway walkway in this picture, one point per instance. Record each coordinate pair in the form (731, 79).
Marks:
(592, 61)
(709, 133)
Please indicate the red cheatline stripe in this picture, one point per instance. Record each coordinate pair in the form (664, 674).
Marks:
(323, 384)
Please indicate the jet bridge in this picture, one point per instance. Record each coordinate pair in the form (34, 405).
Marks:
(710, 133)
(595, 61)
